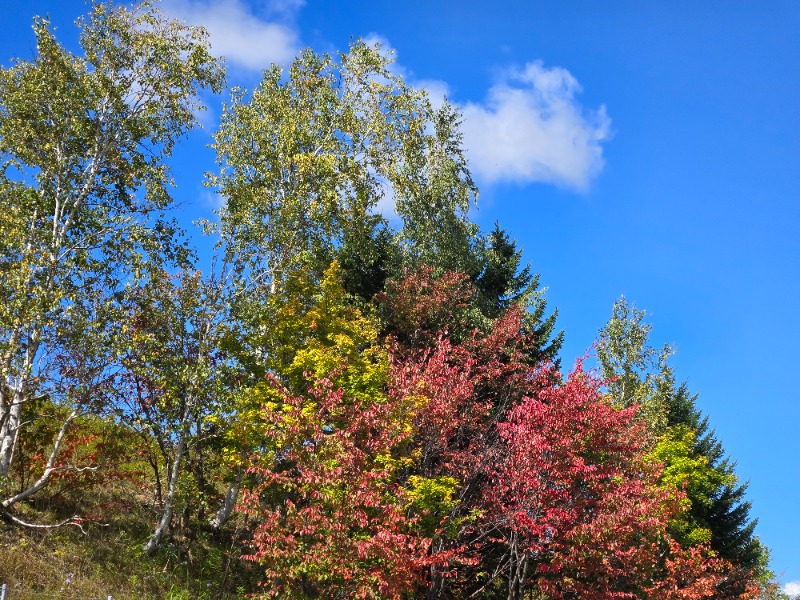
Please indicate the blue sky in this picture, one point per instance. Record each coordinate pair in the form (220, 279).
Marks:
(645, 149)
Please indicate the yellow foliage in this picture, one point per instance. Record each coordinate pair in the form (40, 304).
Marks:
(310, 332)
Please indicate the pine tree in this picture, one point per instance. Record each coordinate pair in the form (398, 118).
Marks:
(504, 282)
(640, 375)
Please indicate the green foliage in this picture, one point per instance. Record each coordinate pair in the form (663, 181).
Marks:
(433, 192)
(503, 283)
(639, 375)
(306, 157)
(82, 182)
(377, 399)
(176, 385)
(369, 255)
(687, 470)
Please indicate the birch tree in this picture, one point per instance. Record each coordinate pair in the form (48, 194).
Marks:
(83, 187)
(310, 158)
(176, 379)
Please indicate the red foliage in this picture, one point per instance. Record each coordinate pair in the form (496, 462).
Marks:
(331, 519)
(550, 487)
(554, 492)
(422, 307)
(577, 509)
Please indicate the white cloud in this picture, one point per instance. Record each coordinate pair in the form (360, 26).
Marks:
(245, 39)
(531, 128)
(792, 588)
(387, 205)
(285, 8)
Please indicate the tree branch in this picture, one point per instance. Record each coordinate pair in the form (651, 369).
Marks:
(49, 467)
(74, 520)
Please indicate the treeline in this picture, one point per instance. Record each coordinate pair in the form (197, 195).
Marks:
(352, 409)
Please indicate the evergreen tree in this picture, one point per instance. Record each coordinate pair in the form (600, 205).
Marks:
(726, 513)
(367, 257)
(640, 375)
(504, 282)
(501, 282)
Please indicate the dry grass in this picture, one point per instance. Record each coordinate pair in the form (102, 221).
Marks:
(108, 558)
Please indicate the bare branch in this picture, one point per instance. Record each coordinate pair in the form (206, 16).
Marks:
(73, 520)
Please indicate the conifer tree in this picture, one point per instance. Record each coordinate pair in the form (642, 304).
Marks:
(726, 514)
(368, 256)
(639, 375)
(504, 282)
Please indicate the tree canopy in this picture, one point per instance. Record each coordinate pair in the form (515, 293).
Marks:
(341, 405)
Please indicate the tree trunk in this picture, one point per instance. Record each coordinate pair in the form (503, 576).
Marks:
(10, 413)
(13, 397)
(169, 502)
(224, 512)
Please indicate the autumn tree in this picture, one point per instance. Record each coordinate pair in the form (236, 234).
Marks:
(578, 510)
(459, 391)
(503, 522)
(716, 511)
(466, 371)
(305, 159)
(82, 185)
(330, 519)
(453, 466)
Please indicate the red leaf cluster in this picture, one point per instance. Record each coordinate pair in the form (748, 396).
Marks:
(330, 515)
(578, 508)
(551, 492)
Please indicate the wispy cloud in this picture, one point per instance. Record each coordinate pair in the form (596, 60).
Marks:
(792, 588)
(532, 128)
(246, 39)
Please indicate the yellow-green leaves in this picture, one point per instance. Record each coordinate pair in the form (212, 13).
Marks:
(638, 374)
(308, 155)
(310, 330)
(691, 472)
(432, 499)
(83, 140)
